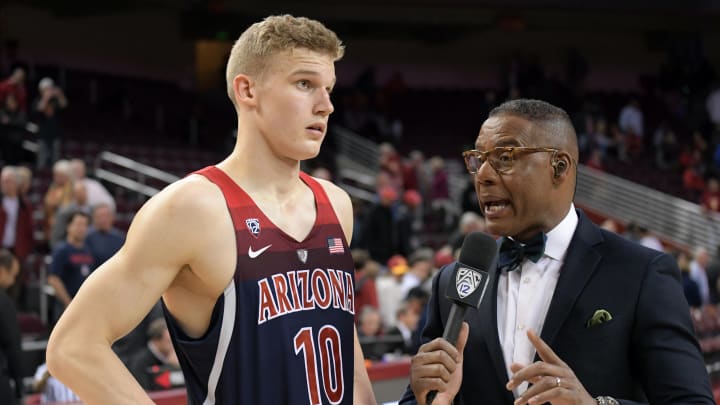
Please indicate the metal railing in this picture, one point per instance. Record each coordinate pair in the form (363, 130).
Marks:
(670, 218)
(142, 173)
(364, 152)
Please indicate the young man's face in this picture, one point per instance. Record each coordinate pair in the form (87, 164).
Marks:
(293, 102)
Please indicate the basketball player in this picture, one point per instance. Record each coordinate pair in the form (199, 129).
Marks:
(250, 256)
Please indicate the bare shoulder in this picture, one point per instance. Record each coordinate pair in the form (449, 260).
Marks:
(193, 198)
(338, 196)
(342, 205)
(176, 214)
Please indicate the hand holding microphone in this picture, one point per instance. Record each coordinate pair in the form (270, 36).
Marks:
(436, 370)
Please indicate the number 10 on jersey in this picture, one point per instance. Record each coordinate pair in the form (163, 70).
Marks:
(327, 356)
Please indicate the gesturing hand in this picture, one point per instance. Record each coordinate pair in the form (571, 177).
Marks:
(552, 379)
(438, 366)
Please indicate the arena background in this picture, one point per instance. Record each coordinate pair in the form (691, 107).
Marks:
(147, 105)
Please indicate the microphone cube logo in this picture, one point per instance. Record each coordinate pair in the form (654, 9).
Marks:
(467, 281)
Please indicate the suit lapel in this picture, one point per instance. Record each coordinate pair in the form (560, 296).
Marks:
(488, 311)
(580, 264)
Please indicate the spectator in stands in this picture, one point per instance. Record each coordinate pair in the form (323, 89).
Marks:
(389, 289)
(58, 194)
(713, 274)
(468, 199)
(667, 150)
(631, 123)
(440, 188)
(137, 339)
(51, 390)
(15, 86)
(96, 192)
(79, 202)
(417, 300)
(698, 274)
(405, 326)
(24, 180)
(12, 128)
(379, 234)
(442, 208)
(71, 263)
(710, 199)
(158, 353)
(469, 222)
(16, 222)
(603, 140)
(408, 224)
(647, 239)
(420, 267)
(50, 102)
(413, 173)
(370, 331)
(391, 164)
(690, 286)
(104, 240)
(366, 271)
(11, 365)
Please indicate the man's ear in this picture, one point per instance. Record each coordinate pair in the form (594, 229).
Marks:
(560, 165)
(244, 90)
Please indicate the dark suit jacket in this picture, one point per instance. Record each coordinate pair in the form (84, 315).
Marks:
(646, 353)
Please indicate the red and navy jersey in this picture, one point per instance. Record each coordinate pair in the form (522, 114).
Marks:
(282, 331)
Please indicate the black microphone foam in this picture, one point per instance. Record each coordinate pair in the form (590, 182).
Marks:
(467, 284)
(466, 288)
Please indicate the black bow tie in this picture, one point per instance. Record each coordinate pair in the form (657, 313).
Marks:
(512, 253)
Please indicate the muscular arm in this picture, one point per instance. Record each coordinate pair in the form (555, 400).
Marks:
(162, 240)
(362, 393)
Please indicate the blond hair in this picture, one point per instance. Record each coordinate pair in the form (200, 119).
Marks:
(275, 34)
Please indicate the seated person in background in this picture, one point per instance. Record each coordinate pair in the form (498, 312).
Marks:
(71, 263)
(148, 364)
(50, 388)
(104, 240)
(407, 322)
(137, 338)
(370, 333)
(96, 192)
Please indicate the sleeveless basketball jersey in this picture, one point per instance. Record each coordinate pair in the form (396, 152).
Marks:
(282, 331)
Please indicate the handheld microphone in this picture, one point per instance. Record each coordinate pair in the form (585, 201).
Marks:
(478, 256)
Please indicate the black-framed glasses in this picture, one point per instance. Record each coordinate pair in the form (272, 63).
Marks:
(500, 158)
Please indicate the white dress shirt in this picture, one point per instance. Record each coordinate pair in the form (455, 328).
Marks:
(524, 296)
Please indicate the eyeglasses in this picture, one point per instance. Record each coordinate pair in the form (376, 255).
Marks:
(501, 158)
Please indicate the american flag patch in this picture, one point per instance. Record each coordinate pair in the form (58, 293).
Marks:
(335, 246)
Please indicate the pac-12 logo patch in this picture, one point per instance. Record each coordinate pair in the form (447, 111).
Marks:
(253, 225)
(467, 281)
